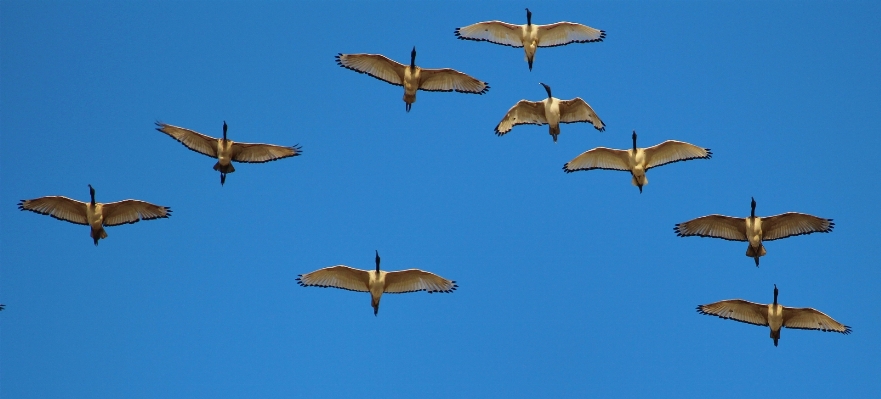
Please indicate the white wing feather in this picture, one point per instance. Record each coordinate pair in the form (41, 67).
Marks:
(340, 276)
(674, 151)
(497, 32)
(412, 280)
(599, 158)
(562, 33)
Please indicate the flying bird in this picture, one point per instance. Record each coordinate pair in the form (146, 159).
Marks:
(638, 160)
(773, 315)
(226, 150)
(411, 77)
(550, 111)
(376, 282)
(95, 214)
(754, 229)
(530, 36)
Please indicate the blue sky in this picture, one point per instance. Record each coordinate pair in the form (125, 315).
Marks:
(570, 285)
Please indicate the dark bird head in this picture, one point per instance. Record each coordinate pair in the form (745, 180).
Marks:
(634, 141)
(377, 261)
(92, 194)
(413, 58)
(753, 207)
(224, 130)
(547, 89)
(528, 17)
(775, 294)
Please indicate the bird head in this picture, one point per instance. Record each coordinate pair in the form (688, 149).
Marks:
(775, 294)
(528, 17)
(92, 194)
(377, 261)
(547, 89)
(634, 141)
(224, 130)
(753, 207)
(413, 57)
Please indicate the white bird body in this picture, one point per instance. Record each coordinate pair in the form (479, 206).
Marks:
(530, 36)
(773, 315)
(637, 160)
(551, 111)
(95, 214)
(411, 77)
(754, 229)
(376, 282)
(225, 150)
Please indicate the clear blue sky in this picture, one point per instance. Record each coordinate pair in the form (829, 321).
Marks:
(570, 285)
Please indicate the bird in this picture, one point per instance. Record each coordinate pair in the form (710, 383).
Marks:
(550, 111)
(638, 160)
(226, 150)
(754, 229)
(95, 214)
(411, 77)
(530, 36)
(773, 315)
(376, 282)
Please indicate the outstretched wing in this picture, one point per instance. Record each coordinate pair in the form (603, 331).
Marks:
(413, 280)
(191, 139)
(562, 33)
(674, 151)
(737, 309)
(497, 32)
(793, 224)
(811, 319)
(259, 153)
(576, 110)
(340, 276)
(61, 208)
(599, 158)
(450, 80)
(524, 112)
(375, 65)
(716, 226)
(132, 211)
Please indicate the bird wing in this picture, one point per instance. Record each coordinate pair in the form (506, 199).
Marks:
(191, 139)
(376, 65)
(576, 110)
(412, 280)
(259, 153)
(340, 276)
(562, 33)
(599, 158)
(811, 319)
(674, 151)
(524, 112)
(132, 211)
(449, 80)
(737, 309)
(61, 208)
(497, 32)
(716, 226)
(793, 224)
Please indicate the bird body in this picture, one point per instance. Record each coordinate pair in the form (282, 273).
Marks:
(551, 111)
(411, 77)
(530, 36)
(376, 282)
(773, 315)
(637, 160)
(95, 214)
(754, 229)
(225, 150)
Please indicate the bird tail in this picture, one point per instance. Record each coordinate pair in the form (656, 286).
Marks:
(98, 234)
(375, 303)
(409, 99)
(753, 253)
(224, 169)
(554, 132)
(776, 336)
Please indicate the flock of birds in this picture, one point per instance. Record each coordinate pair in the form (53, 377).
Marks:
(550, 111)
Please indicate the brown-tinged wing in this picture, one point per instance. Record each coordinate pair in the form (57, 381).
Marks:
(340, 276)
(259, 153)
(793, 224)
(674, 151)
(413, 280)
(576, 110)
(524, 112)
(193, 140)
(450, 80)
(811, 319)
(599, 158)
(716, 226)
(61, 208)
(497, 32)
(376, 65)
(562, 33)
(737, 309)
(132, 211)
